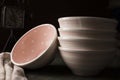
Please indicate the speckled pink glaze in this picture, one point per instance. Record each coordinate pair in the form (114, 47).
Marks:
(33, 43)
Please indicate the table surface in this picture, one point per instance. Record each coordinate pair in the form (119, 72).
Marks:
(57, 70)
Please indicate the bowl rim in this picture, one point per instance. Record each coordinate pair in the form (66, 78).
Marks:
(79, 29)
(84, 39)
(83, 50)
(28, 62)
(86, 17)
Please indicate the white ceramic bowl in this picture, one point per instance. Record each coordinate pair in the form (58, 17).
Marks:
(36, 47)
(90, 33)
(86, 62)
(87, 43)
(80, 22)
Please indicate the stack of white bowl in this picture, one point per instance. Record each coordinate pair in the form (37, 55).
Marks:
(87, 44)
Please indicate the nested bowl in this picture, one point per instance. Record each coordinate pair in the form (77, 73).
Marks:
(87, 33)
(85, 62)
(87, 43)
(87, 22)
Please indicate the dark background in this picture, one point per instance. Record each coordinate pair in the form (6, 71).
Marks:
(48, 11)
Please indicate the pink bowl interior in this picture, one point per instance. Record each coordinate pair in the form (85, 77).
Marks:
(33, 43)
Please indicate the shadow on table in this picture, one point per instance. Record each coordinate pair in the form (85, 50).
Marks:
(61, 72)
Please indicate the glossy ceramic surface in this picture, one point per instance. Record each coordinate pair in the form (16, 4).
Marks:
(35, 44)
(87, 43)
(89, 33)
(86, 62)
(98, 23)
